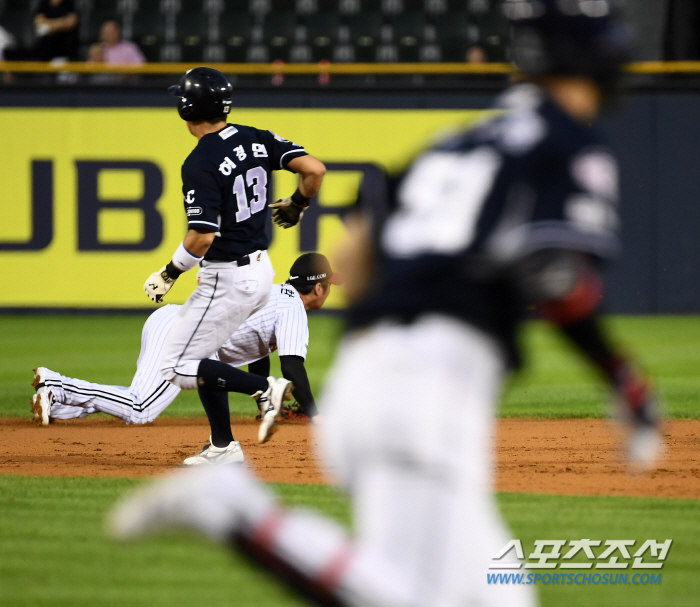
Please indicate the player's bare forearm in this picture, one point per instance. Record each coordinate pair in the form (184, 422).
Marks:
(60, 24)
(311, 172)
(354, 257)
(289, 211)
(198, 243)
(66, 23)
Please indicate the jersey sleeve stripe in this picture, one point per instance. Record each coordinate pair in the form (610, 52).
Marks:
(290, 152)
(207, 223)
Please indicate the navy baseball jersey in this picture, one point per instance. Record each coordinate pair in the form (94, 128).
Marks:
(465, 211)
(227, 186)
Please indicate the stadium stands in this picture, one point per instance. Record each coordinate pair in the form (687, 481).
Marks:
(298, 31)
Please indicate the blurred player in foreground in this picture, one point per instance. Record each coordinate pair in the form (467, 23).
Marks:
(518, 212)
(282, 325)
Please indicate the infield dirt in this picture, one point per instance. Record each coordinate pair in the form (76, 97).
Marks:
(566, 456)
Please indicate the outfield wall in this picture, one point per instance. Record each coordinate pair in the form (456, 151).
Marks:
(91, 200)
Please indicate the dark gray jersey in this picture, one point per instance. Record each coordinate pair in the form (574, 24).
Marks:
(466, 211)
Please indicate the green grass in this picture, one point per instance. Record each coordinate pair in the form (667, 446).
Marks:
(555, 384)
(104, 349)
(534, 517)
(53, 551)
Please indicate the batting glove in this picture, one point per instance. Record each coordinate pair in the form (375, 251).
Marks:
(289, 211)
(160, 282)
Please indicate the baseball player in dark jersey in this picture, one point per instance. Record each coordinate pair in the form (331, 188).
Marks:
(519, 212)
(227, 188)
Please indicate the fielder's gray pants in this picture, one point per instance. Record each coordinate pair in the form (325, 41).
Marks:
(224, 298)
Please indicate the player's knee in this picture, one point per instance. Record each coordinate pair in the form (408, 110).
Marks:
(140, 417)
(168, 373)
(135, 419)
(183, 378)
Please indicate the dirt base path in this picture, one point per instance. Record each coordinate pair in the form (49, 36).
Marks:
(571, 457)
(583, 457)
(105, 447)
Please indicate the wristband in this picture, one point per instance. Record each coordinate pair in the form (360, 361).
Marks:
(172, 272)
(300, 200)
(183, 260)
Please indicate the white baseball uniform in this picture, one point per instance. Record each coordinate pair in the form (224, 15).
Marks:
(426, 523)
(226, 184)
(281, 325)
(226, 295)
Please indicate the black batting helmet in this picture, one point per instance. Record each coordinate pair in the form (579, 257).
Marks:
(204, 93)
(568, 37)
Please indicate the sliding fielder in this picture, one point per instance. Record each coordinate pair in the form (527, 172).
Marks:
(282, 325)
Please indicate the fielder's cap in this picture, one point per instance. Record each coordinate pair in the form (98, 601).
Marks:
(311, 268)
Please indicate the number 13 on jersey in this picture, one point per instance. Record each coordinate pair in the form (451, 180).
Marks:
(257, 179)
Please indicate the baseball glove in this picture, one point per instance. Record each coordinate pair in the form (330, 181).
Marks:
(289, 211)
(293, 412)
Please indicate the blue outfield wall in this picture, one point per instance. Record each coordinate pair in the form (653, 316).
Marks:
(657, 139)
(655, 134)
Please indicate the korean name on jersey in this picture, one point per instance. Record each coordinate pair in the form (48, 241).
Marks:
(227, 186)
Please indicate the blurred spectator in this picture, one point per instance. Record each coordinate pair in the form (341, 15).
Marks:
(6, 40)
(682, 39)
(95, 54)
(56, 24)
(476, 54)
(111, 49)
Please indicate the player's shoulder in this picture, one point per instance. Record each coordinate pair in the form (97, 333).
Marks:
(534, 114)
(222, 139)
(198, 157)
(286, 292)
(207, 151)
(516, 126)
(526, 122)
(242, 132)
(265, 136)
(286, 296)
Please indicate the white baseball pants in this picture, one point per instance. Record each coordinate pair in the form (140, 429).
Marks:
(408, 429)
(144, 400)
(224, 298)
